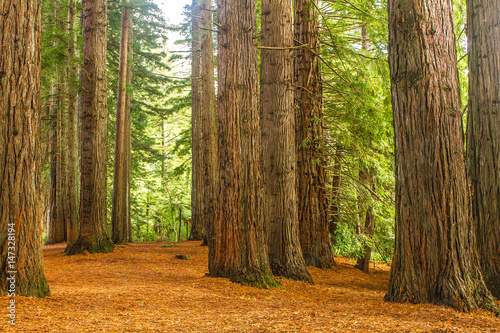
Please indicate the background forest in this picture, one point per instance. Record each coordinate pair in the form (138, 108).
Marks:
(357, 126)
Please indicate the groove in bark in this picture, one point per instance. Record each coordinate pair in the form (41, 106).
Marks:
(483, 128)
(435, 260)
(311, 178)
(278, 142)
(20, 108)
(240, 248)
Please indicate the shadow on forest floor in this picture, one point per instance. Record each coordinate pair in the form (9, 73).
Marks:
(143, 288)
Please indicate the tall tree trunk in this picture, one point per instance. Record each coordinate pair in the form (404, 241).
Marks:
(367, 179)
(278, 141)
(128, 130)
(208, 126)
(435, 260)
(483, 128)
(20, 107)
(93, 232)
(240, 248)
(72, 167)
(197, 230)
(120, 211)
(334, 200)
(312, 199)
(56, 229)
(58, 199)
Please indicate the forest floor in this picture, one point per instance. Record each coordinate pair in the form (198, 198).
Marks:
(143, 288)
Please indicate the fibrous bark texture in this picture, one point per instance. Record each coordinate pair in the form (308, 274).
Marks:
(278, 141)
(121, 180)
(483, 128)
(240, 249)
(93, 234)
(434, 259)
(311, 178)
(20, 108)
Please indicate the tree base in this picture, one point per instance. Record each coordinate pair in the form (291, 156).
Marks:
(320, 262)
(292, 273)
(253, 278)
(103, 245)
(461, 298)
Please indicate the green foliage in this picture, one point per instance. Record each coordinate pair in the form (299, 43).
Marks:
(359, 120)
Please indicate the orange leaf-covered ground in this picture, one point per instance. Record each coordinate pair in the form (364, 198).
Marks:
(143, 288)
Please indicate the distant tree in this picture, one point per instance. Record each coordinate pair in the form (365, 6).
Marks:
(20, 110)
(483, 119)
(311, 178)
(435, 259)
(58, 172)
(72, 164)
(278, 141)
(93, 234)
(240, 249)
(121, 177)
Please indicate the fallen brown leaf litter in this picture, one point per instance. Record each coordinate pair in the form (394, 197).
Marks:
(144, 288)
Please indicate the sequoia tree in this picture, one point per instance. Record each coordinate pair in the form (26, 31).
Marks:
(58, 199)
(72, 164)
(483, 128)
(278, 141)
(121, 176)
(240, 251)
(93, 234)
(20, 110)
(434, 259)
(197, 225)
(311, 178)
(208, 124)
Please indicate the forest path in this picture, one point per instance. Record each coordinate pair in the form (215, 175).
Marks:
(142, 287)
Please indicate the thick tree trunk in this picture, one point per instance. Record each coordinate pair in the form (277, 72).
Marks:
(93, 234)
(72, 167)
(483, 128)
(278, 142)
(20, 107)
(198, 228)
(240, 248)
(434, 259)
(312, 199)
(209, 126)
(120, 205)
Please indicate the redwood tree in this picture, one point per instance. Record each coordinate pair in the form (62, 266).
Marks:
(72, 164)
(483, 128)
(197, 225)
(93, 234)
(434, 259)
(311, 178)
(208, 124)
(20, 109)
(278, 141)
(240, 250)
(121, 176)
